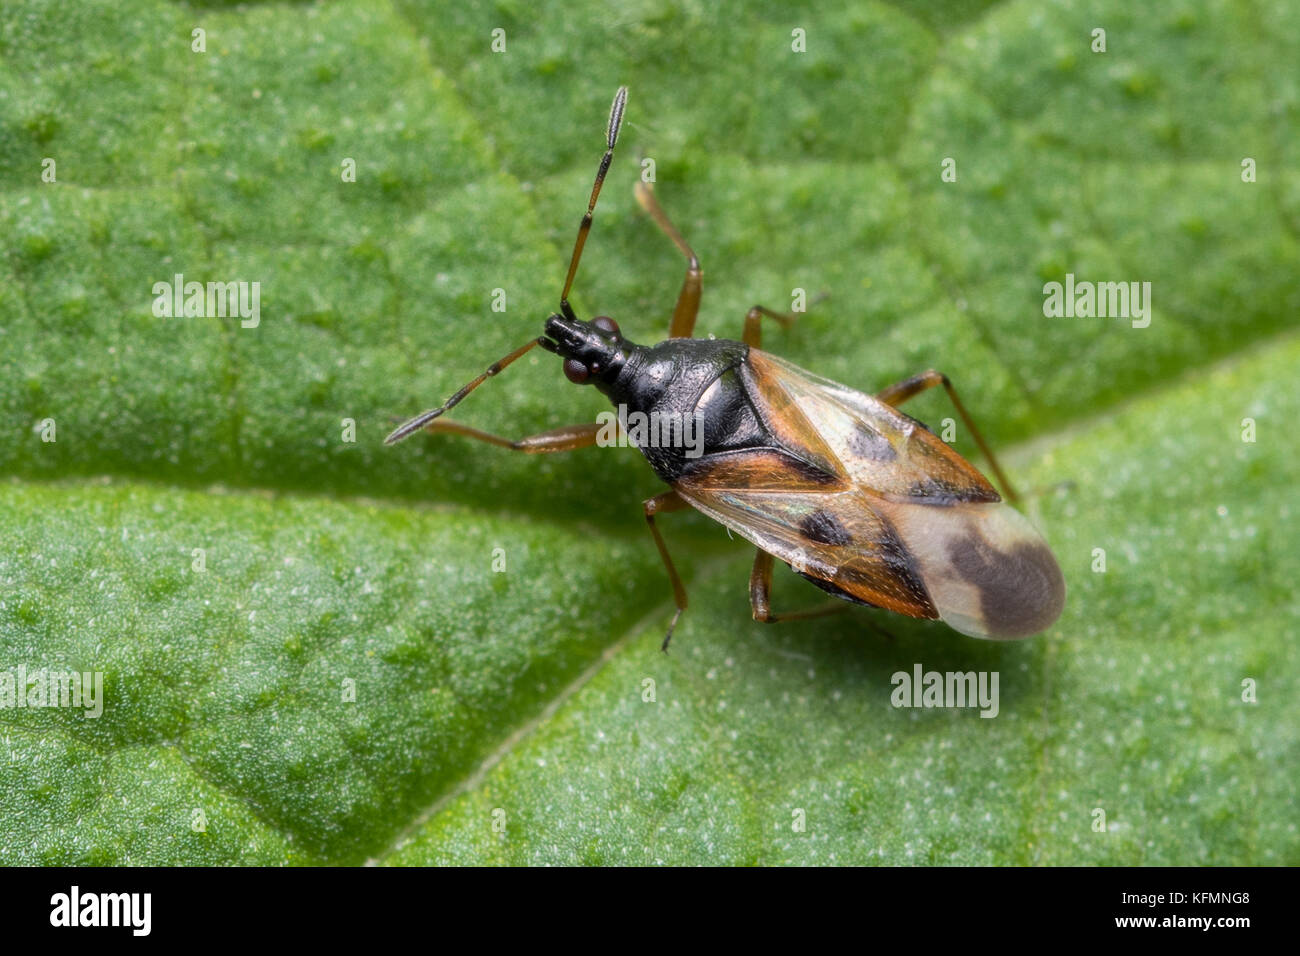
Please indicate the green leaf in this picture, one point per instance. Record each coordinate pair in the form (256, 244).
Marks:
(316, 650)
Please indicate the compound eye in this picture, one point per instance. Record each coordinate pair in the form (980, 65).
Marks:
(575, 371)
(605, 323)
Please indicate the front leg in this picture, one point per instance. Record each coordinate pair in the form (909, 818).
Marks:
(688, 300)
(565, 438)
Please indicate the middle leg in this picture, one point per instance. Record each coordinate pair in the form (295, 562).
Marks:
(897, 394)
(760, 590)
(753, 334)
(668, 501)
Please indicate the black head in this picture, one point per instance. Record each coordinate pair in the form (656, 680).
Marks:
(594, 352)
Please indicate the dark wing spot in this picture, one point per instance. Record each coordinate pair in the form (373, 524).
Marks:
(1021, 590)
(824, 528)
(831, 588)
(807, 471)
(882, 568)
(870, 444)
(937, 491)
(889, 549)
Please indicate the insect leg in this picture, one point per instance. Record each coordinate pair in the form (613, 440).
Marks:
(688, 300)
(668, 501)
(753, 334)
(897, 394)
(565, 438)
(760, 587)
(423, 419)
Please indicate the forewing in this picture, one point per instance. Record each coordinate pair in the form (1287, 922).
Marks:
(986, 568)
(849, 500)
(832, 534)
(876, 446)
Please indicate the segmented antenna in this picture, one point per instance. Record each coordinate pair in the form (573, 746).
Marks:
(611, 138)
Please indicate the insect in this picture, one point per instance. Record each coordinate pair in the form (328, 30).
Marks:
(857, 497)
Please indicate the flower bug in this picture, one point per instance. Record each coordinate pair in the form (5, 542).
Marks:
(860, 499)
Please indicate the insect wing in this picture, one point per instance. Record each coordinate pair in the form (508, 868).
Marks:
(875, 507)
(878, 447)
(986, 568)
(835, 537)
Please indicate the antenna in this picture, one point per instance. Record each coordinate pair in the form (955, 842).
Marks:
(611, 137)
